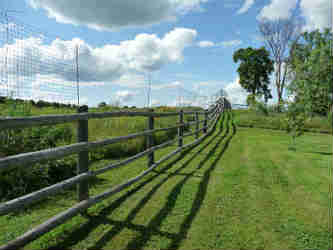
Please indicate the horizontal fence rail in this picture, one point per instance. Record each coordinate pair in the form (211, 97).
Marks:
(22, 122)
(82, 148)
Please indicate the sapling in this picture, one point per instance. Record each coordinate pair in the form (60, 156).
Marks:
(295, 123)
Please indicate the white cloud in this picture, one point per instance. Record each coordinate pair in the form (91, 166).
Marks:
(277, 9)
(147, 52)
(317, 13)
(236, 94)
(115, 14)
(131, 80)
(231, 43)
(204, 83)
(205, 44)
(204, 86)
(170, 85)
(246, 6)
(155, 102)
(225, 44)
(125, 95)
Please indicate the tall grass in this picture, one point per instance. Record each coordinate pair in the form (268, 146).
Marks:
(15, 141)
(273, 120)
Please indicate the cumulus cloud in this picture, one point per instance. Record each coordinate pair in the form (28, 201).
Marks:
(236, 94)
(115, 14)
(131, 80)
(147, 52)
(317, 14)
(246, 6)
(277, 9)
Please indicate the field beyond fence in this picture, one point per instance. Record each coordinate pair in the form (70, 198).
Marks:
(82, 148)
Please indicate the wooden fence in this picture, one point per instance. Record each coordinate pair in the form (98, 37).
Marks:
(82, 148)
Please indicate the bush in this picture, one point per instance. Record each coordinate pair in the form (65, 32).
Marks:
(102, 104)
(295, 122)
(261, 108)
(23, 180)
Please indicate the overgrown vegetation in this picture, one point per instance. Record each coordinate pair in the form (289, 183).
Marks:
(17, 182)
(256, 118)
(312, 71)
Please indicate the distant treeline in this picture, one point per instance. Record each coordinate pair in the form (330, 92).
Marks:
(39, 104)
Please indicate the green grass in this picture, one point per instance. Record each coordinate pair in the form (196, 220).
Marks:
(241, 188)
(17, 141)
(251, 118)
(110, 127)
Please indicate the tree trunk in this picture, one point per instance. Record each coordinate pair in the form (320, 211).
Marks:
(278, 86)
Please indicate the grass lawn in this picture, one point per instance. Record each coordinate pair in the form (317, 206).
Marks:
(241, 188)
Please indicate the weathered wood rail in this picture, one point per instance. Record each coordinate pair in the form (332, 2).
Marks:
(82, 148)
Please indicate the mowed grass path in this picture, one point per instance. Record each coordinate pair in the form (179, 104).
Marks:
(239, 189)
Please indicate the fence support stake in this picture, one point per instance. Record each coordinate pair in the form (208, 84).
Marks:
(205, 122)
(150, 140)
(181, 128)
(83, 160)
(197, 124)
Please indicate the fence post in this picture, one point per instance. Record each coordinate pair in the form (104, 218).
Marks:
(197, 124)
(205, 122)
(150, 140)
(83, 161)
(181, 128)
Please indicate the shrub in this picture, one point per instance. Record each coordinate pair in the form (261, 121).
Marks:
(23, 180)
(261, 108)
(102, 104)
(295, 122)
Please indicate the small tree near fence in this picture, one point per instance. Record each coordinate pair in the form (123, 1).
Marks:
(295, 122)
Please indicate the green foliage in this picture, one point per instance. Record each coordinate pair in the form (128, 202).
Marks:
(312, 67)
(295, 122)
(16, 141)
(251, 100)
(276, 120)
(18, 108)
(254, 70)
(261, 108)
(102, 104)
(277, 108)
(20, 181)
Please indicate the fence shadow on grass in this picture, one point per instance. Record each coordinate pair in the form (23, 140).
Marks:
(153, 227)
(158, 219)
(322, 153)
(201, 193)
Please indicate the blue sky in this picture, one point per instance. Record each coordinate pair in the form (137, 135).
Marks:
(185, 46)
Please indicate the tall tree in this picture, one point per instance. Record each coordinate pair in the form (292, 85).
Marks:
(278, 35)
(312, 70)
(254, 71)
